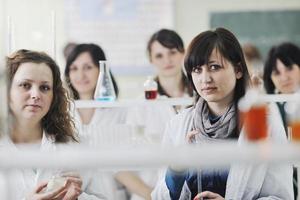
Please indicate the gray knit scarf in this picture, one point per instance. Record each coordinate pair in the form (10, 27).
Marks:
(222, 129)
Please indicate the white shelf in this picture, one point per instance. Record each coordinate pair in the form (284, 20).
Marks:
(133, 102)
(151, 156)
(173, 101)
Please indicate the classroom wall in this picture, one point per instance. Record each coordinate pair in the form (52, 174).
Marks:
(192, 16)
(33, 30)
(2, 33)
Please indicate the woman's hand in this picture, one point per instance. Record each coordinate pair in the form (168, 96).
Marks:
(208, 195)
(56, 194)
(73, 185)
(191, 137)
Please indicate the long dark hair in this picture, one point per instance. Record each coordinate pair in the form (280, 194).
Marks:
(96, 54)
(228, 46)
(169, 39)
(57, 122)
(288, 54)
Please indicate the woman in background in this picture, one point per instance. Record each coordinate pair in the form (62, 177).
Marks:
(255, 65)
(81, 74)
(216, 66)
(39, 107)
(282, 72)
(166, 52)
(282, 76)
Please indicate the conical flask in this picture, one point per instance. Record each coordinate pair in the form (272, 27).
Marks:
(105, 89)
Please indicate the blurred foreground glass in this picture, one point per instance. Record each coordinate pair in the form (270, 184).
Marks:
(3, 104)
(55, 182)
(255, 122)
(105, 89)
(253, 115)
(293, 117)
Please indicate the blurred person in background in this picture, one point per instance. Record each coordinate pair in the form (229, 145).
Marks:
(39, 109)
(81, 74)
(282, 72)
(165, 50)
(68, 49)
(255, 64)
(282, 76)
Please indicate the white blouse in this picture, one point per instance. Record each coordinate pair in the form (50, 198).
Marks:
(24, 181)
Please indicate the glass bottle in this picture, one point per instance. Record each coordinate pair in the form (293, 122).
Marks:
(293, 117)
(253, 114)
(105, 89)
(150, 88)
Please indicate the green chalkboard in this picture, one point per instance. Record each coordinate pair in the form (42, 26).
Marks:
(261, 28)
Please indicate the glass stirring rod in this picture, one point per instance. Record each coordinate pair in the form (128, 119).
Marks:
(199, 182)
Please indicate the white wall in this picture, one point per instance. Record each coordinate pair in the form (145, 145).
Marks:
(32, 20)
(2, 33)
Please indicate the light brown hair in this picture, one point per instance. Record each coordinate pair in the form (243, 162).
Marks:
(57, 123)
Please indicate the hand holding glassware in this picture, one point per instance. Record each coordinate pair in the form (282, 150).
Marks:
(55, 182)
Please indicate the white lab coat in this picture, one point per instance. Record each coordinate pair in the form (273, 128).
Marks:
(244, 182)
(104, 127)
(23, 181)
(153, 119)
(107, 128)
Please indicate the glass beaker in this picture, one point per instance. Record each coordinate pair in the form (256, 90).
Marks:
(150, 88)
(253, 115)
(55, 182)
(105, 90)
(293, 117)
(255, 122)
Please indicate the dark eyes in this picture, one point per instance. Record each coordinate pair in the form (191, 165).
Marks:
(197, 70)
(171, 53)
(212, 67)
(73, 68)
(88, 67)
(27, 86)
(275, 72)
(289, 68)
(85, 67)
(158, 56)
(45, 88)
